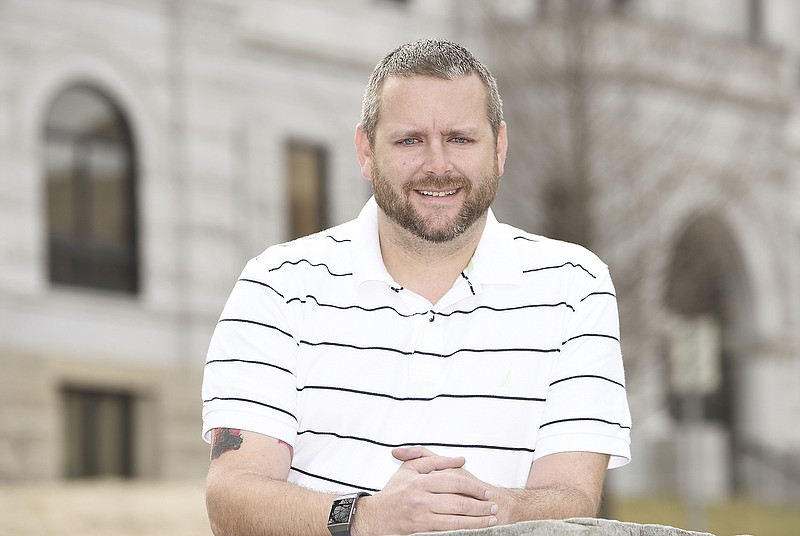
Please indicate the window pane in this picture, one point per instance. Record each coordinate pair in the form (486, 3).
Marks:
(98, 433)
(73, 445)
(106, 170)
(112, 422)
(87, 111)
(306, 189)
(60, 194)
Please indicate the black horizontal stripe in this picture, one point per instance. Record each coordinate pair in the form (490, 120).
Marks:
(601, 335)
(251, 362)
(392, 309)
(308, 297)
(255, 281)
(555, 267)
(431, 354)
(333, 481)
(490, 351)
(418, 399)
(306, 261)
(598, 294)
(505, 309)
(250, 401)
(593, 376)
(354, 347)
(262, 324)
(527, 239)
(584, 419)
(416, 443)
(338, 240)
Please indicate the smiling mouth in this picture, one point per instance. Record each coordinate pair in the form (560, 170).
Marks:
(437, 194)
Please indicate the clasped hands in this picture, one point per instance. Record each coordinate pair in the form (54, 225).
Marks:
(428, 493)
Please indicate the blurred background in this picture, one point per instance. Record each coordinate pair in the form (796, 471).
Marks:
(148, 148)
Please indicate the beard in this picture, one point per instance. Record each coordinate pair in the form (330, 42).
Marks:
(437, 228)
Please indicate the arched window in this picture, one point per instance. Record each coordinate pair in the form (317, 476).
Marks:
(91, 193)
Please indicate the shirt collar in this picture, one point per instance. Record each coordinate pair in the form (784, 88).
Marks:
(495, 261)
(367, 260)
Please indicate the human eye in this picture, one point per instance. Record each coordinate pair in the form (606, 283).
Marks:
(460, 140)
(408, 142)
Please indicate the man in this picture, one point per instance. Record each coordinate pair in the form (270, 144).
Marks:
(451, 371)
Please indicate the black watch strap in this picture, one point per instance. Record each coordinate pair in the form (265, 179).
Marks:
(343, 511)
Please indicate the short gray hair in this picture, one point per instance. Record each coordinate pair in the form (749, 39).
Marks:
(437, 58)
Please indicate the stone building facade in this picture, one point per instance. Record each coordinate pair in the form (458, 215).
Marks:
(148, 148)
(663, 136)
(218, 101)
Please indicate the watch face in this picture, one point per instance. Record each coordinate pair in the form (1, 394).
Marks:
(340, 511)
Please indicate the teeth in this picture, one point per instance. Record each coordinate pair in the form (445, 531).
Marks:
(437, 194)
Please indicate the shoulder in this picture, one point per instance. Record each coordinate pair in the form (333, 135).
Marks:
(331, 242)
(326, 251)
(540, 252)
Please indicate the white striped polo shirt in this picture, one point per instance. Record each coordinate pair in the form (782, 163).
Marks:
(318, 346)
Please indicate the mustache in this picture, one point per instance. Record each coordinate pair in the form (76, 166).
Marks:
(437, 182)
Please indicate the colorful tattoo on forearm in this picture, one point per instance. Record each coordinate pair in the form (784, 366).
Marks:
(225, 439)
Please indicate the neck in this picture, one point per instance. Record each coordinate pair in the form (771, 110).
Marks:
(426, 268)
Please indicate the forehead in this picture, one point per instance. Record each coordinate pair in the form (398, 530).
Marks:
(425, 99)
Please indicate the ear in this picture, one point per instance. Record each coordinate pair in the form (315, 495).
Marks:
(364, 152)
(502, 148)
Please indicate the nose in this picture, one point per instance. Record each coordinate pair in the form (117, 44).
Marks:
(437, 159)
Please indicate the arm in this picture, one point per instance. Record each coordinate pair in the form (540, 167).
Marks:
(247, 494)
(560, 486)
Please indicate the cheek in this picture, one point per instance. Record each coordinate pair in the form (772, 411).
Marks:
(403, 161)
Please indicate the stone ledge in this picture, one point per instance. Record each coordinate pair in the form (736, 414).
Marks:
(575, 527)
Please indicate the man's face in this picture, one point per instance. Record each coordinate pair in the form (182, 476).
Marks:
(435, 165)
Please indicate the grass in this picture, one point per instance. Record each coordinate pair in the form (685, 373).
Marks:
(730, 518)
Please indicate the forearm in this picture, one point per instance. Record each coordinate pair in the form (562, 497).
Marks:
(254, 505)
(557, 502)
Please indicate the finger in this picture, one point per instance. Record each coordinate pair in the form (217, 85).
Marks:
(458, 482)
(459, 505)
(428, 464)
(449, 522)
(405, 454)
(434, 462)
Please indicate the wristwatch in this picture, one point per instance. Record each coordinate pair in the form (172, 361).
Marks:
(343, 510)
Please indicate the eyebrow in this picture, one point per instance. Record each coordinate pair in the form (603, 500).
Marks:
(398, 134)
(469, 132)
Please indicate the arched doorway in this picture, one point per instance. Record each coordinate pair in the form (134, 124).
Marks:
(706, 280)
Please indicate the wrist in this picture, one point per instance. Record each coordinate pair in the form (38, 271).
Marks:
(362, 522)
(342, 515)
(506, 501)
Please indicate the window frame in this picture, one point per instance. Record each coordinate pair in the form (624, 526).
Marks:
(87, 441)
(297, 224)
(76, 257)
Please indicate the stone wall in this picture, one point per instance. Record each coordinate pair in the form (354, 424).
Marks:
(576, 527)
